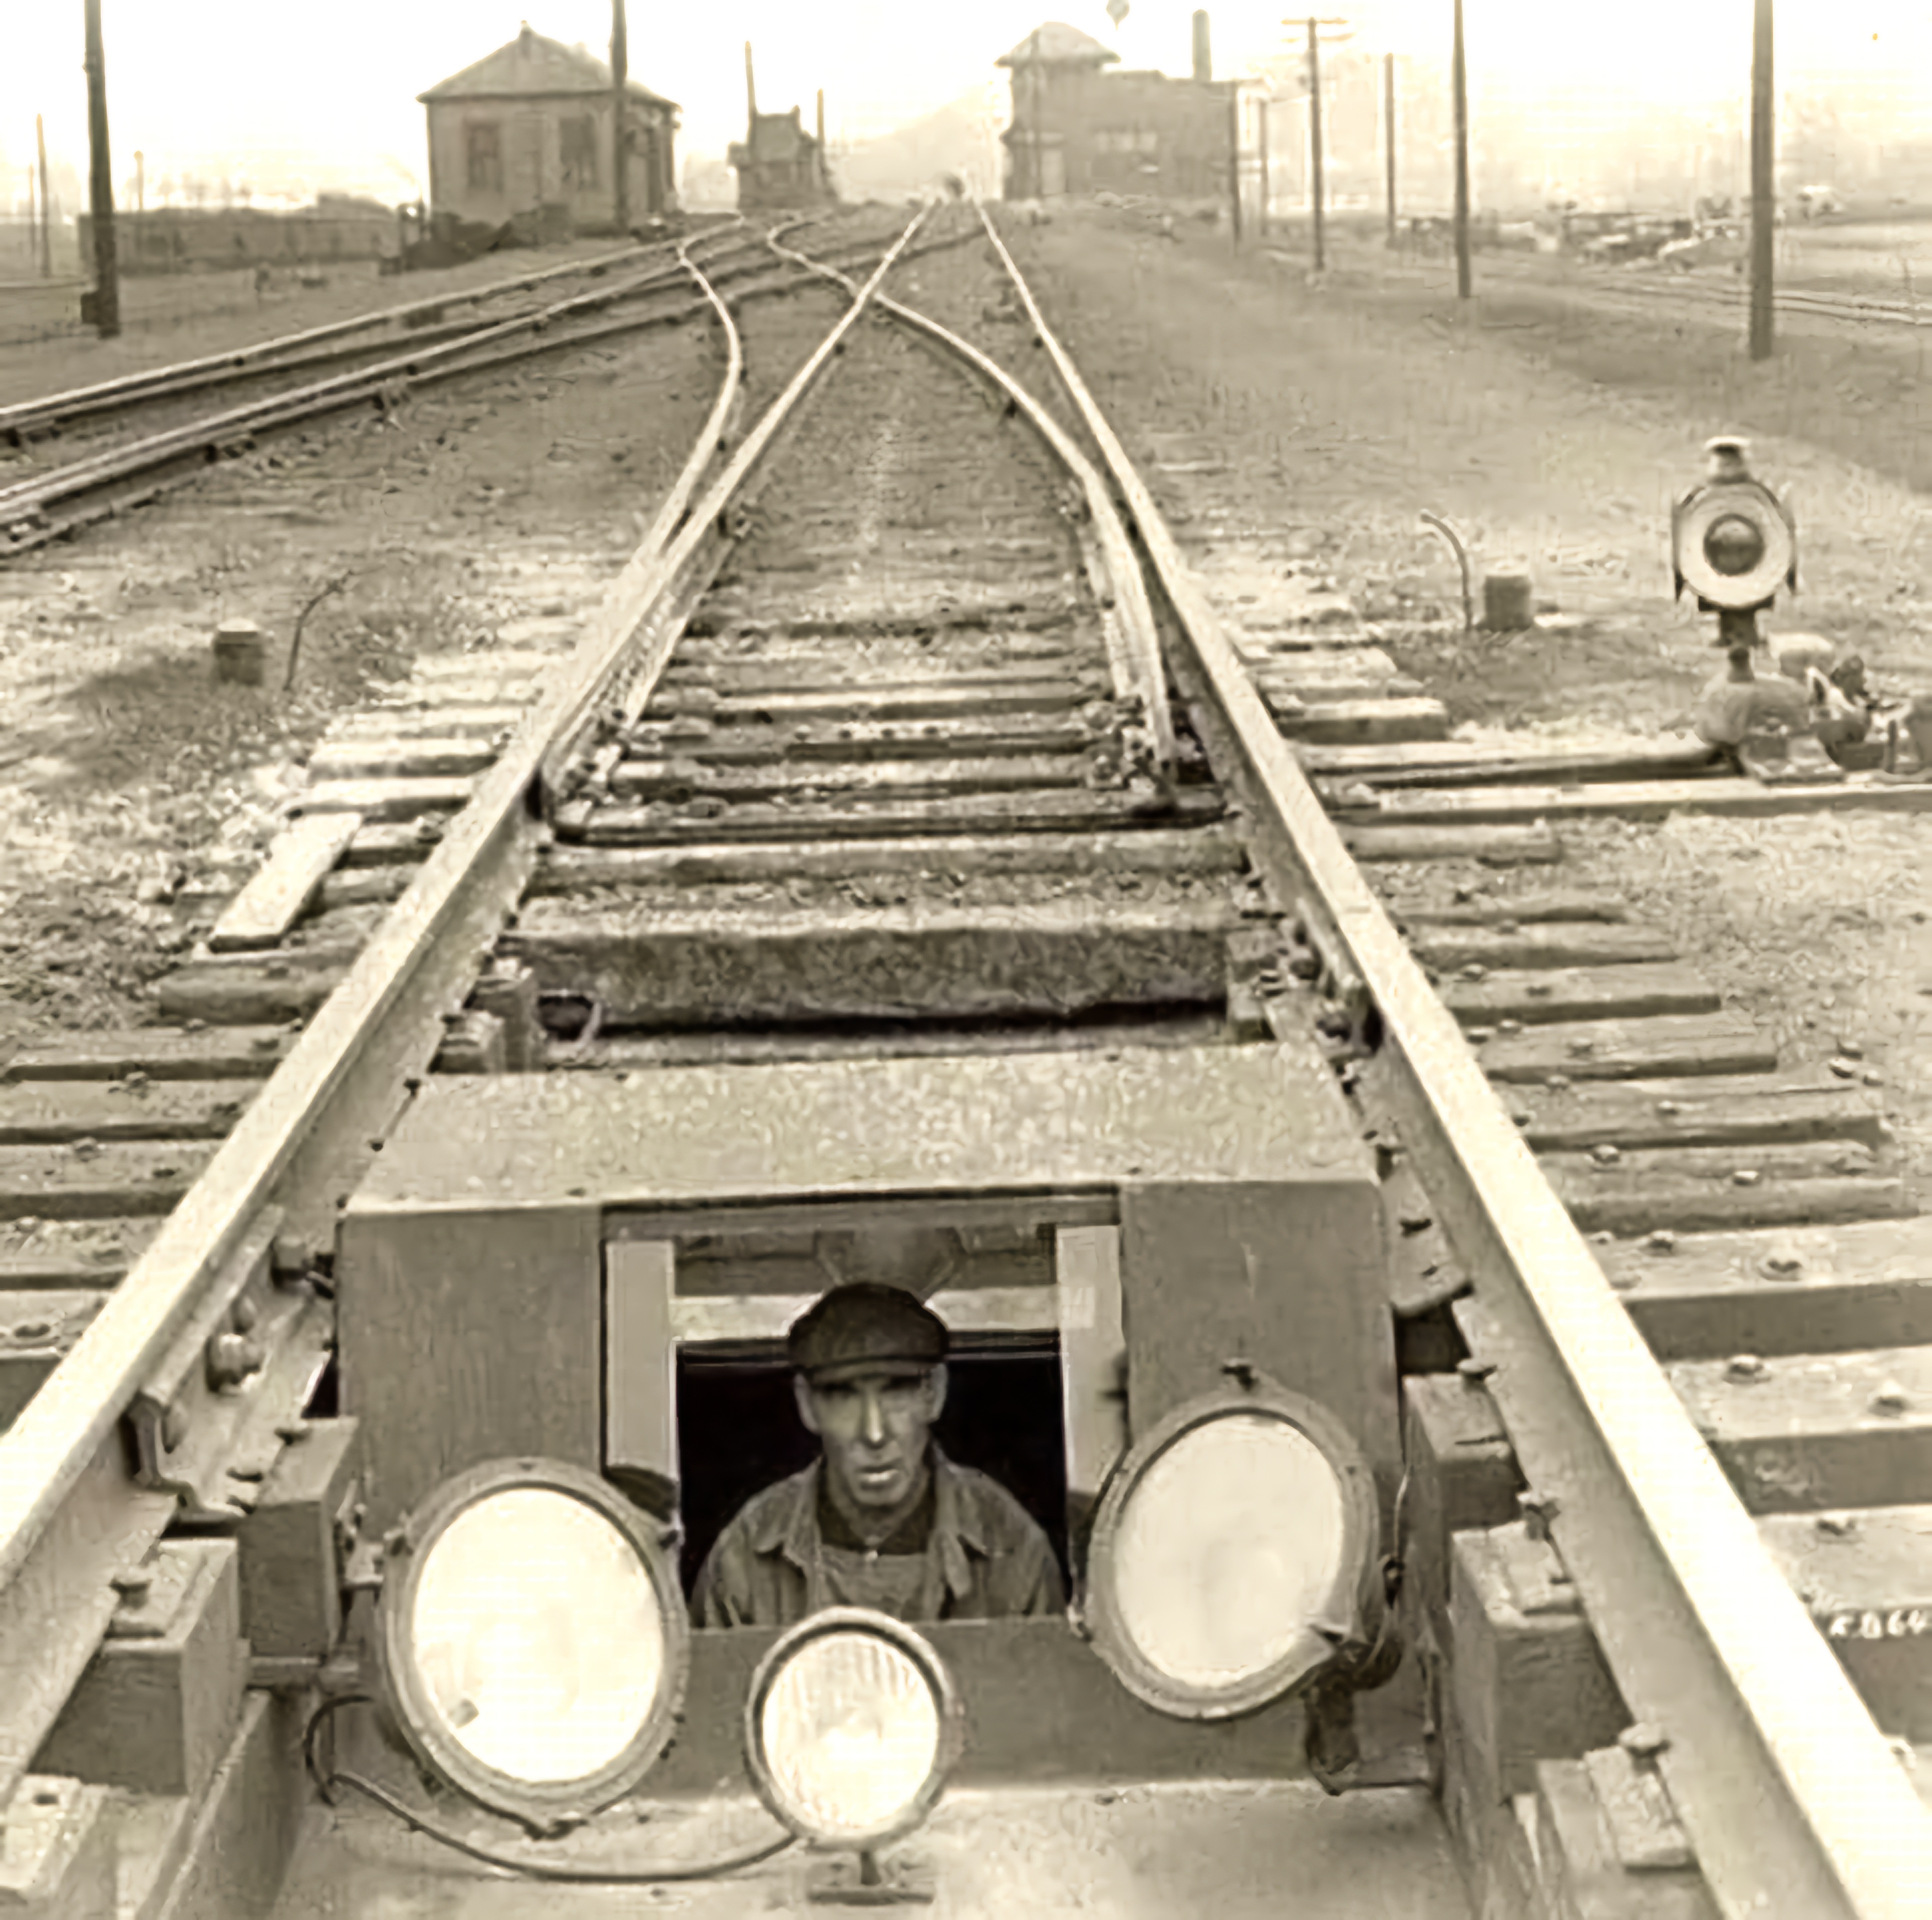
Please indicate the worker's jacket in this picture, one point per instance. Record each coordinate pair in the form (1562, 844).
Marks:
(985, 1558)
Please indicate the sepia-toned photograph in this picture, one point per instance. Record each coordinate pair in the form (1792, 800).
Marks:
(963, 962)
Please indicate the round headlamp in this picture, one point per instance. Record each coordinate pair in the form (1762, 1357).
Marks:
(1228, 1553)
(851, 1727)
(533, 1639)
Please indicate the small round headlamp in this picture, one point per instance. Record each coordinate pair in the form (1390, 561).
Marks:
(1229, 1551)
(533, 1639)
(851, 1727)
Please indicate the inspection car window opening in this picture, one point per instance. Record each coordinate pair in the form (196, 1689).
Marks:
(882, 1517)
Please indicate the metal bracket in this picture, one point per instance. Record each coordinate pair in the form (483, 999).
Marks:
(1317, 957)
(206, 1420)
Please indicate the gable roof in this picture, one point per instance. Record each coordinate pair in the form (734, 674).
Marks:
(532, 64)
(1057, 44)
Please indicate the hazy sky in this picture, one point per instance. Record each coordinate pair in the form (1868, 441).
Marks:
(217, 86)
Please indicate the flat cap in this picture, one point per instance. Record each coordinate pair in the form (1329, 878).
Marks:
(865, 1324)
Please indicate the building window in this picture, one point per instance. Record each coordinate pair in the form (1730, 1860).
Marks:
(576, 151)
(485, 155)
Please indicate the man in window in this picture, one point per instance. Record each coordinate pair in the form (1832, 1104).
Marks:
(882, 1519)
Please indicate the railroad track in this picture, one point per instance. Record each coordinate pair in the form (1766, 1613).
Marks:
(883, 767)
(55, 502)
(24, 422)
(1650, 288)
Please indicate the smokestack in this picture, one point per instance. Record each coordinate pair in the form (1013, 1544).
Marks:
(821, 119)
(1203, 59)
(751, 88)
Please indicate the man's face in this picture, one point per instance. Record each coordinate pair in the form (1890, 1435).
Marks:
(874, 1427)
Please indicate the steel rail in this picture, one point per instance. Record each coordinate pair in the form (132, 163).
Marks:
(24, 415)
(1811, 301)
(1133, 641)
(1794, 1802)
(71, 1515)
(187, 448)
(48, 415)
(28, 495)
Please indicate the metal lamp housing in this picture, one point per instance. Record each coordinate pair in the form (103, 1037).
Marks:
(1329, 1621)
(426, 1725)
(897, 1639)
(1699, 523)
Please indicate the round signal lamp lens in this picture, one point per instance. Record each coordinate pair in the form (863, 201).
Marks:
(1230, 1552)
(1229, 1548)
(534, 1640)
(1734, 545)
(851, 1727)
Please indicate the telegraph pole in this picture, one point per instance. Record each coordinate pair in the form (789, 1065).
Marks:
(1315, 136)
(106, 278)
(47, 206)
(620, 155)
(1459, 87)
(1039, 119)
(1764, 186)
(1315, 194)
(1234, 160)
(1388, 134)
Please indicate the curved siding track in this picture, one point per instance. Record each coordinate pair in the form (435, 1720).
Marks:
(869, 751)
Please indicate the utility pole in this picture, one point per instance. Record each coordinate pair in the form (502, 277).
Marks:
(1388, 134)
(1234, 160)
(1038, 119)
(1315, 138)
(1459, 87)
(1263, 102)
(1763, 185)
(106, 278)
(47, 209)
(1316, 194)
(620, 144)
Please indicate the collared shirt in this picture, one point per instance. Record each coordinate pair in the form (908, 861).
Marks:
(985, 1559)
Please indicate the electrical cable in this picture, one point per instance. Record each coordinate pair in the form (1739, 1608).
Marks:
(327, 1783)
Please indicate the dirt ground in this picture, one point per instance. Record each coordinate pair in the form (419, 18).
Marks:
(135, 791)
(1333, 412)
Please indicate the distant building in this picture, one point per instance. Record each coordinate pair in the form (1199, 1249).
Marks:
(779, 164)
(1077, 130)
(525, 135)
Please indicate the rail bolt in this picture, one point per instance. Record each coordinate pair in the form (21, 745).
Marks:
(1474, 1372)
(1890, 1398)
(1745, 1366)
(1538, 1509)
(232, 1357)
(133, 1586)
(1783, 1263)
(1661, 1240)
(1642, 1741)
